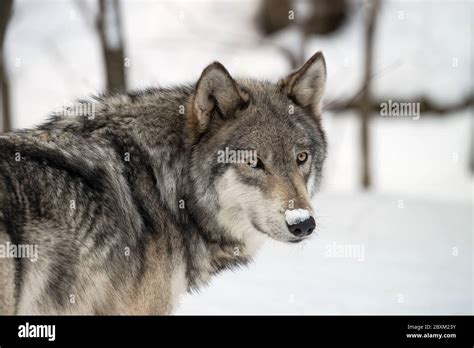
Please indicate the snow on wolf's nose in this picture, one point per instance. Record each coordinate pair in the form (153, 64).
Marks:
(300, 222)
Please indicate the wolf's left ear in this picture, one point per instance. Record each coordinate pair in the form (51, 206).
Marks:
(306, 85)
(216, 91)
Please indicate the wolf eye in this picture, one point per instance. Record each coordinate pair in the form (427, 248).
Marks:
(259, 165)
(301, 158)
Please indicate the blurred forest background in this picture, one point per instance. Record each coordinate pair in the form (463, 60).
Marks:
(55, 51)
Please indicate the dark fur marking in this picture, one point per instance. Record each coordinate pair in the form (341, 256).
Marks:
(94, 178)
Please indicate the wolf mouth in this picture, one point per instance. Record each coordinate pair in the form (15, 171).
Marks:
(261, 230)
(255, 225)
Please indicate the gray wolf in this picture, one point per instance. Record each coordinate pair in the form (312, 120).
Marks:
(127, 207)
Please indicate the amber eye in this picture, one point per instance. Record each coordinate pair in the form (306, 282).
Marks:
(301, 158)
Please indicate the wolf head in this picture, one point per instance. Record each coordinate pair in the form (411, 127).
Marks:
(257, 151)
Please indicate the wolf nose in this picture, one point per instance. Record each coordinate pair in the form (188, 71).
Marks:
(303, 228)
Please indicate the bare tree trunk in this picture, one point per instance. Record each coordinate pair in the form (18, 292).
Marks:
(365, 109)
(5, 15)
(109, 28)
(471, 150)
(5, 125)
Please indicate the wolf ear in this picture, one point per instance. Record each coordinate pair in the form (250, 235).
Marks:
(217, 91)
(306, 85)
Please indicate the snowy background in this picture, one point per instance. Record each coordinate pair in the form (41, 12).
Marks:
(413, 228)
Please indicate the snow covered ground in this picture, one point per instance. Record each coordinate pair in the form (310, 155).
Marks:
(369, 257)
(414, 227)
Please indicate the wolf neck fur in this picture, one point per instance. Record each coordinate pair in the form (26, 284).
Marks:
(211, 249)
(208, 248)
